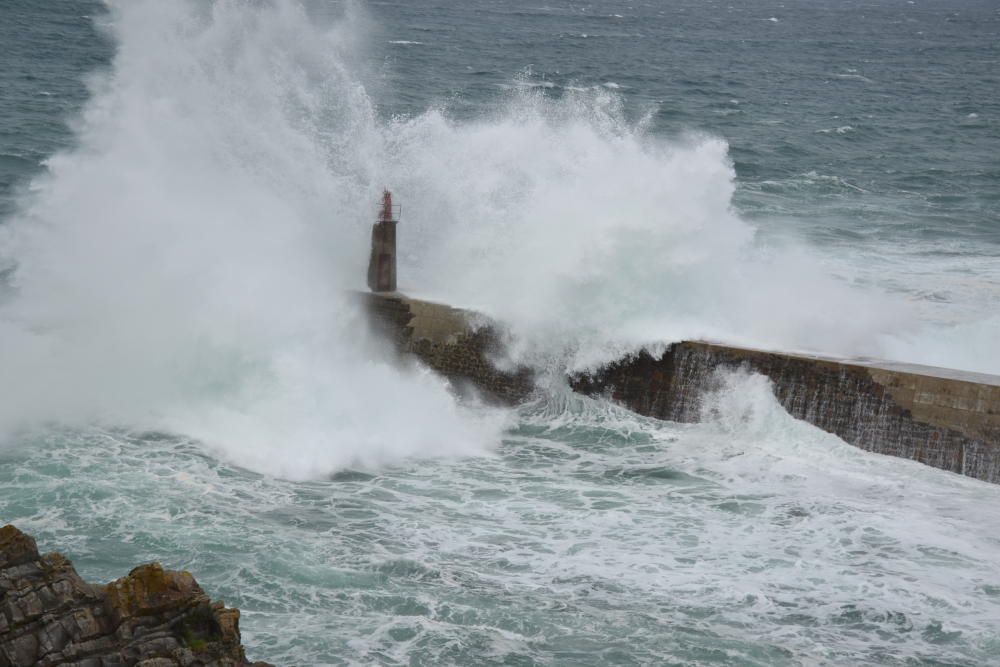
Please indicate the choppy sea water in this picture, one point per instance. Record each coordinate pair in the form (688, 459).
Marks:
(591, 536)
(185, 191)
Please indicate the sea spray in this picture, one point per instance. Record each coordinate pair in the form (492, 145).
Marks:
(185, 267)
(588, 235)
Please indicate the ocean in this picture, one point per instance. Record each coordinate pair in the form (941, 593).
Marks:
(186, 194)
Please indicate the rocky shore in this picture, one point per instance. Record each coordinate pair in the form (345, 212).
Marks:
(150, 618)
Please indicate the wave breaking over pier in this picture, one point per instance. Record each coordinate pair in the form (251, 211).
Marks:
(942, 418)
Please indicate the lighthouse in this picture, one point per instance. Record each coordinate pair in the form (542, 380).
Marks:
(382, 263)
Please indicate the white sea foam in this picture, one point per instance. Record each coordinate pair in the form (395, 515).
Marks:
(582, 229)
(750, 534)
(855, 77)
(184, 267)
(843, 129)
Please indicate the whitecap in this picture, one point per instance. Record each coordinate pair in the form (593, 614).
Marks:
(843, 129)
(857, 77)
(534, 84)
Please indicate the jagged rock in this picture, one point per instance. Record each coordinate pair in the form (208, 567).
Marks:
(150, 618)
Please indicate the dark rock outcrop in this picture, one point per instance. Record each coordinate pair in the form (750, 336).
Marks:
(150, 618)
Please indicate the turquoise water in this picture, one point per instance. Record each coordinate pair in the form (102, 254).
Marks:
(185, 194)
(589, 537)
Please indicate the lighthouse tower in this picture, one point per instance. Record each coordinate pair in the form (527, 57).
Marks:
(382, 263)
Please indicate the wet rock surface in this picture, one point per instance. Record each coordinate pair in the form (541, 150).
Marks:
(151, 617)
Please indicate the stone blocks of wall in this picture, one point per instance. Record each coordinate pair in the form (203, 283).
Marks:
(946, 419)
(941, 418)
(461, 345)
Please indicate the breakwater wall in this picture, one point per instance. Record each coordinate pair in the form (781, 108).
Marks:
(946, 419)
(461, 345)
(942, 418)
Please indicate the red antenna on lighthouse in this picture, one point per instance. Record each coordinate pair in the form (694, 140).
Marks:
(386, 206)
(388, 212)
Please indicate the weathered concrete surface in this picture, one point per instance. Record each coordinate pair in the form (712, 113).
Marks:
(150, 618)
(943, 418)
(946, 419)
(459, 344)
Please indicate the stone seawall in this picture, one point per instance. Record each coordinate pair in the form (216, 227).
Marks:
(946, 419)
(461, 345)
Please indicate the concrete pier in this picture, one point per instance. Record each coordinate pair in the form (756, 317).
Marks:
(459, 344)
(943, 418)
